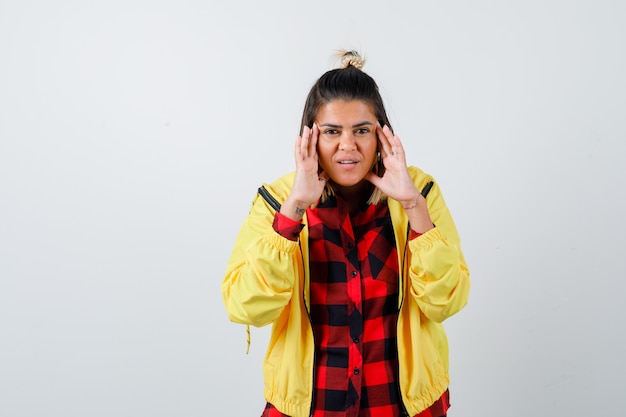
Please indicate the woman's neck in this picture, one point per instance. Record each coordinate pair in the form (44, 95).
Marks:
(355, 195)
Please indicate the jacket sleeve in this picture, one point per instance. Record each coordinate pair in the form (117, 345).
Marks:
(438, 272)
(261, 271)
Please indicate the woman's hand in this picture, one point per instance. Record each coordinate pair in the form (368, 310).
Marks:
(308, 184)
(396, 182)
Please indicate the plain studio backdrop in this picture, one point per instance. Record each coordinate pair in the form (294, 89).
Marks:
(133, 137)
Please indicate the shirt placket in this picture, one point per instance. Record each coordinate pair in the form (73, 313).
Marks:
(355, 319)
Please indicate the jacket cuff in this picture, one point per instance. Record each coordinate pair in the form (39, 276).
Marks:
(427, 239)
(287, 227)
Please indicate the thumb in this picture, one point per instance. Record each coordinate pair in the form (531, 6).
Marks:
(374, 179)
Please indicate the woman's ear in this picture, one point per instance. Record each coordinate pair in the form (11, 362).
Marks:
(379, 166)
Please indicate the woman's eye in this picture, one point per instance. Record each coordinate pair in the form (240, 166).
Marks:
(362, 131)
(330, 132)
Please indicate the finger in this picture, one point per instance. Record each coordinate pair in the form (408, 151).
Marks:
(374, 179)
(385, 146)
(313, 142)
(395, 146)
(298, 143)
(304, 145)
(393, 139)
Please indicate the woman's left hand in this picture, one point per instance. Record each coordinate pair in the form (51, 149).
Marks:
(396, 182)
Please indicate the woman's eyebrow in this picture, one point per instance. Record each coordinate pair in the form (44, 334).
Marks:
(364, 123)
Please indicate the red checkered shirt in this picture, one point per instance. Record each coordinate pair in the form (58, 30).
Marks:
(354, 298)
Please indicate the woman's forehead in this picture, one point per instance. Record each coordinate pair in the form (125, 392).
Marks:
(346, 112)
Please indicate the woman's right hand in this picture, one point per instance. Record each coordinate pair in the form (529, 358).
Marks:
(308, 183)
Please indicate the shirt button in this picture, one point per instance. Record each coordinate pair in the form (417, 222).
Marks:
(354, 273)
(355, 339)
(356, 371)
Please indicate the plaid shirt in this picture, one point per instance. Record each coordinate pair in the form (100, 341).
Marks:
(354, 293)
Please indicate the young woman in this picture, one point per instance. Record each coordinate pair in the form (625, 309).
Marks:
(355, 261)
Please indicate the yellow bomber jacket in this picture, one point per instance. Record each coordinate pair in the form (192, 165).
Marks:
(267, 282)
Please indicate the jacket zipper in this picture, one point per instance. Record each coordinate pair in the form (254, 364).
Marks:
(403, 411)
(424, 193)
(308, 313)
(269, 198)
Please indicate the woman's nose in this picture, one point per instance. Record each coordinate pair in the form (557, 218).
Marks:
(347, 142)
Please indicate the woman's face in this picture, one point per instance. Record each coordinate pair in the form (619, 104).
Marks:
(347, 141)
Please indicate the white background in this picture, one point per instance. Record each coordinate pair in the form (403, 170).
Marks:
(133, 136)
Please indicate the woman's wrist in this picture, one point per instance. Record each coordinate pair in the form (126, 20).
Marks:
(293, 209)
(417, 212)
(412, 203)
(409, 205)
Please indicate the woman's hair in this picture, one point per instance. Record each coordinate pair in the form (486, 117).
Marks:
(347, 83)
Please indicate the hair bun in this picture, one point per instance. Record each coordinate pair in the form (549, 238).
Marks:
(351, 59)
